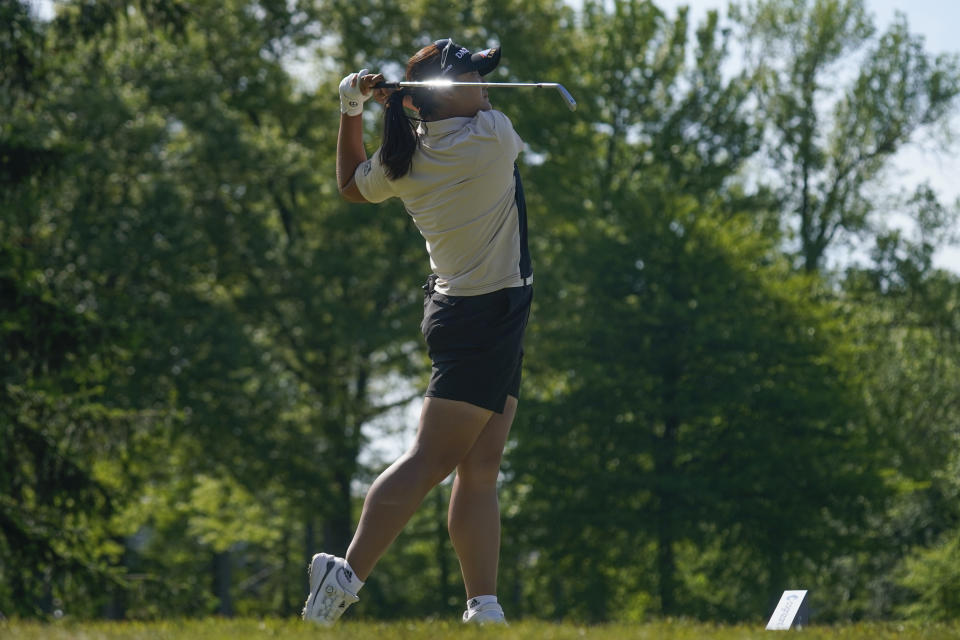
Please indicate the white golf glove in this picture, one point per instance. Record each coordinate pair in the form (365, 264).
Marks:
(351, 98)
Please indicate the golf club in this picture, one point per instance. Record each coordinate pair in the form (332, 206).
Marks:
(440, 83)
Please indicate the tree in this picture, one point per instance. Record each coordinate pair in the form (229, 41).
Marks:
(53, 504)
(189, 172)
(830, 140)
(678, 362)
(907, 313)
(195, 329)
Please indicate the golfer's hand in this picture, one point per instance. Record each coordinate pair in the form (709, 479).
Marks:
(380, 95)
(367, 84)
(355, 90)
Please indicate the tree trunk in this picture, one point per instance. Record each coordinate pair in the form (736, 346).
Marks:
(287, 597)
(665, 461)
(222, 576)
(777, 574)
(666, 473)
(443, 586)
(517, 592)
(45, 601)
(337, 528)
(116, 606)
(310, 548)
(559, 598)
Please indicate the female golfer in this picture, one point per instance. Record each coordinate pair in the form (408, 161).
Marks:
(453, 168)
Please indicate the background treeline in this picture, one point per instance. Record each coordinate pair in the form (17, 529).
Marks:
(197, 335)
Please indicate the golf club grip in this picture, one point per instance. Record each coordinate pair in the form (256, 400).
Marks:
(387, 85)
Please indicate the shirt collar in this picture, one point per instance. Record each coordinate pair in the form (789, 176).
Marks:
(437, 128)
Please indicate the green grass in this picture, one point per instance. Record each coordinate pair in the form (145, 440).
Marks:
(215, 629)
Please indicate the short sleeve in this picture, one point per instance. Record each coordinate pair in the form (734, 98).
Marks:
(502, 129)
(372, 181)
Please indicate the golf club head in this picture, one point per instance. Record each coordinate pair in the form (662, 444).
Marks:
(567, 97)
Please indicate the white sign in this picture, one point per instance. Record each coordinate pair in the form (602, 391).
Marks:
(786, 611)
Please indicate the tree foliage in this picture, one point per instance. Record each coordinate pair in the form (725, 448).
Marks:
(831, 138)
(196, 332)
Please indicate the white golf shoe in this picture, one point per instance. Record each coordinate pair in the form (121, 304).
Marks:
(328, 597)
(490, 613)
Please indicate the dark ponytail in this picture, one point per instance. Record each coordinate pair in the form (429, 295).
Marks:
(400, 139)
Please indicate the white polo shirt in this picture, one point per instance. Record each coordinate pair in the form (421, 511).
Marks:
(461, 194)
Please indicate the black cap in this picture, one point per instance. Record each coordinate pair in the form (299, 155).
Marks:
(455, 59)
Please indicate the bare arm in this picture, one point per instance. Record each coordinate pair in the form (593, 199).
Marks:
(350, 150)
(350, 154)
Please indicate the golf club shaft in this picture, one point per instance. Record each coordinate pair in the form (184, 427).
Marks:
(435, 84)
(454, 83)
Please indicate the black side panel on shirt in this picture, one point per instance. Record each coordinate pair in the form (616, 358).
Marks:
(526, 268)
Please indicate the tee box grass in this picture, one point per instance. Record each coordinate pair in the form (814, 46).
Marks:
(218, 629)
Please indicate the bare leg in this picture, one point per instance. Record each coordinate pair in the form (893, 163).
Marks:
(474, 516)
(448, 430)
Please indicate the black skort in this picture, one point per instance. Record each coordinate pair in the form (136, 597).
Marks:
(476, 344)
